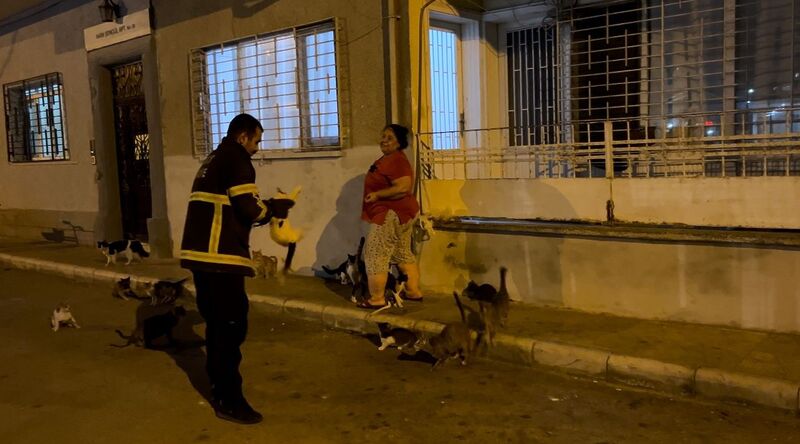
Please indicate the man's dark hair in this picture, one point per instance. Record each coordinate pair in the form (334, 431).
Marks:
(400, 133)
(243, 123)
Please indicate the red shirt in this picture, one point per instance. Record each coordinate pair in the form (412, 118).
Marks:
(380, 176)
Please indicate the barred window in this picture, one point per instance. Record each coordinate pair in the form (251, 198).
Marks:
(287, 80)
(35, 119)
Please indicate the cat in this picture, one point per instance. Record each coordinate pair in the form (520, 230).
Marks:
(122, 289)
(341, 272)
(494, 304)
(392, 293)
(358, 276)
(130, 248)
(405, 340)
(161, 292)
(266, 266)
(154, 327)
(455, 340)
(62, 314)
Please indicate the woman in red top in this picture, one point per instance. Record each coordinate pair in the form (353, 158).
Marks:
(391, 209)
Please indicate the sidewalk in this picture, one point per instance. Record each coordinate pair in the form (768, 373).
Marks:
(717, 362)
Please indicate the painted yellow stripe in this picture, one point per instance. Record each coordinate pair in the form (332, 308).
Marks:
(243, 189)
(216, 229)
(216, 258)
(203, 196)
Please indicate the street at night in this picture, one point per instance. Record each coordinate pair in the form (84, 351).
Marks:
(313, 385)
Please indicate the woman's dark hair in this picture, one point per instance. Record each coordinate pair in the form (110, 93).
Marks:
(400, 133)
(243, 123)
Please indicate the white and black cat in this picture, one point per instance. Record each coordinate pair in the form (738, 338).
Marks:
(341, 272)
(154, 328)
(62, 315)
(130, 248)
(404, 339)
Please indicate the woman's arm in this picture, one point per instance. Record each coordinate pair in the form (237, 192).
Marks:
(400, 187)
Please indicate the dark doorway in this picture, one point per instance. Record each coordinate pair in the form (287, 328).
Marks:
(133, 150)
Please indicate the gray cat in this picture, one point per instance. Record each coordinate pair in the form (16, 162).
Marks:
(455, 340)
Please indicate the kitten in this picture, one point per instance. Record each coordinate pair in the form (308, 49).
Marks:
(166, 292)
(62, 314)
(401, 338)
(130, 248)
(153, 328)
(455, 340)
(122, 289)
(266, 266)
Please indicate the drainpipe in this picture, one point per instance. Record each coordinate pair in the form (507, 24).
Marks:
(417, 157)
(393, 17)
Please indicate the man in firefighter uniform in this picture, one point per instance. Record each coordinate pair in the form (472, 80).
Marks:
(223, 206)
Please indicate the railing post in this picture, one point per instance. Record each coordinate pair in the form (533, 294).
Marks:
(609, 141)
(608, 130)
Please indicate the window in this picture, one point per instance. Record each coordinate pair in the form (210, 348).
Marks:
(446, 112)
(35, 119)
(287, 80)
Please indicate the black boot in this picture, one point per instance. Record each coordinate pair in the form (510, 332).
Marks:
(239, 411)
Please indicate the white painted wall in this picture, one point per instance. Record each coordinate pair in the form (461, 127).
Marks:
(762, 202)
(328, 209)
(54, 44)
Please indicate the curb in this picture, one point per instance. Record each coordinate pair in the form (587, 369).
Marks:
(630, 370)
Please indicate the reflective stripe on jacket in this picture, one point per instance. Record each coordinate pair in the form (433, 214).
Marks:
(223, 206)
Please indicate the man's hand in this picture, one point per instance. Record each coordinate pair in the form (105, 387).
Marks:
(278, 208)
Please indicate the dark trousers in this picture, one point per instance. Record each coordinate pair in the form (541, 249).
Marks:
(222, 301)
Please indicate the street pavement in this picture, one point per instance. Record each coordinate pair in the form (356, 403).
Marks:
(314, 384)
(683, 359)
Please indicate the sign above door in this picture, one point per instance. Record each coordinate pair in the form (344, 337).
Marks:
(130, 26)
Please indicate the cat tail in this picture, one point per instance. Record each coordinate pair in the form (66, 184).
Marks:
(329, 270)
(137, 248)
(130, 340)
(460, 307)
(360, 248)
(503, 271)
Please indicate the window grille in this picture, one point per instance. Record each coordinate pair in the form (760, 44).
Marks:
(288, 80)
(650, 88)
(35, 119)
(445, 93)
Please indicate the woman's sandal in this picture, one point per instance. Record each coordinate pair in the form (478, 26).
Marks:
(365, 304)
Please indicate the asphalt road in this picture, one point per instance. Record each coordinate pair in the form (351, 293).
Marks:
(313, 385)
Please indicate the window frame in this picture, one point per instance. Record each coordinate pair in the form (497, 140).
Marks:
(27, 151)
(308, 146)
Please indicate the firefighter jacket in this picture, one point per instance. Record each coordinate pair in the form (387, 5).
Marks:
(223, 206)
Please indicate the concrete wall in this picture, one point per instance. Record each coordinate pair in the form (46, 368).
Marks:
(736, 286)
(763, 202)
(37, 196)
(328, 208)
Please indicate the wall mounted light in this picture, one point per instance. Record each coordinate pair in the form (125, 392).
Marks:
(109, 11)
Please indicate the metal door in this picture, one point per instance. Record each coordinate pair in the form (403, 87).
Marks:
(133, 150)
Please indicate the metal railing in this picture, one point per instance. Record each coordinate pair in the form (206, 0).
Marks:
(737, 144)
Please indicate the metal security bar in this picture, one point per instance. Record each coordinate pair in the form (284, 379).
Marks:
(645, 88)
(35, 119)
(287, 80)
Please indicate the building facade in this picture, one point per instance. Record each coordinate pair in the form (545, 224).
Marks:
(632, 157)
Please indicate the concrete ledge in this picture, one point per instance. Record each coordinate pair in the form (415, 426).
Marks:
(739, 387)
(271, 304)
(650, 373)
(429, 327)
(310, 311)
(346, 319)
(571, 358)
(512, 349)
